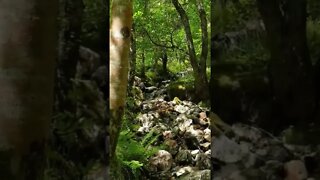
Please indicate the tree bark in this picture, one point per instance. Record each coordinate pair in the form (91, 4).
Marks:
(211, 55)
(143, 68)
(199, 68)
(27, 55)
(290, 65)
(164, 59)
(70, 24)
(120, 33)
(133, 57)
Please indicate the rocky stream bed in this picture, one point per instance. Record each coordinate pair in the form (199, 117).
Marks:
(237, 152)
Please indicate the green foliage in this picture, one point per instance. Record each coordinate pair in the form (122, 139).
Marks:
(224, 19)
(149, 138)
(313, 35)
(165, 29)
(151, 75)
(244, 47)
(177, 66)
(183, 87)
(187, 79)
(314, 9)
(250, 53)
(233, 16)
(133, 154)
(130, 114)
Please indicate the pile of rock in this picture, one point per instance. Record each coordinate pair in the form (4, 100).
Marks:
(247, 153)
(185, 130)
(253, 153)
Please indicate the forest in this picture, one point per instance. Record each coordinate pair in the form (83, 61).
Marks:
(181, 89)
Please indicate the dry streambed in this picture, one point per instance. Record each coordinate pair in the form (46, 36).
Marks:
(244, 153)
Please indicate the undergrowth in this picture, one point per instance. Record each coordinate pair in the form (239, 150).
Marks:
(133, 152)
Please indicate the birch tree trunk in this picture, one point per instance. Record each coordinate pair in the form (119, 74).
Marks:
(120, 32)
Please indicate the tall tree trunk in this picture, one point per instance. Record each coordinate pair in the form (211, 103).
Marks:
(164, 59)
(199, 68)
(143, 68)
(70, 24)
(211, 55)
(203, 83)
(27, 55)
(133, 57)
(317, 89)
(120, 33)
(290, 64)
(204, 38)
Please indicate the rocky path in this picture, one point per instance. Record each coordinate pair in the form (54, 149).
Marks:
(185, 130)
(251, 153)
(243, 153)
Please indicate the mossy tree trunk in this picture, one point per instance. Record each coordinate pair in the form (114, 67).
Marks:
(164, 58)
(120, 32)
(133, 57)
(212, 55)
(143, 66)
(290, 65)
(198, 66)
(27, 55)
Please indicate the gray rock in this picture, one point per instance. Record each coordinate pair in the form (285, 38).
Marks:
(225, 171)
(203, 161)
(295, 170)
(247, 174)
(181, 108)
(162, 161)
(197, 175)
(226, 150)
(184, 157)
(273, 170)
(184, 170)
(252, 160)
(205, 146)
(278, 153)
(150, 89)
(100, 76)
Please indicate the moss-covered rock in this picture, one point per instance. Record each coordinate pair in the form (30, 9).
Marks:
(182, 90)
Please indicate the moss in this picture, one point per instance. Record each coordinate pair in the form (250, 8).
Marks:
(182, 90)
(301, 136)
(133, 154)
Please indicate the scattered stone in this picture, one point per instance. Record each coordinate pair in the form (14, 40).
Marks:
(273, 169)
(184, 170)
(295, 170)
(162, 161)
(184, 157)
(181, 109)
(238, 152)
(226, 150)
(197, 175)
(203, 161)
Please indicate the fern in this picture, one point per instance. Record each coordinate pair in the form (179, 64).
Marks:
(135, 167)
(133, 154)
(146, 140)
